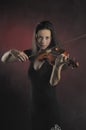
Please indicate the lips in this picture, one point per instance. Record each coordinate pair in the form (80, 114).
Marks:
(44, 46)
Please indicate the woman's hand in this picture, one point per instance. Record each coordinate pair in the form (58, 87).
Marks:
(14, 55)
(20, 55)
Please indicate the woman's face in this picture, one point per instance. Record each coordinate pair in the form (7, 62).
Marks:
(43, 38)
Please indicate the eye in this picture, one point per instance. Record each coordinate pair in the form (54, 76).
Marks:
(47, 38)
(39, 38)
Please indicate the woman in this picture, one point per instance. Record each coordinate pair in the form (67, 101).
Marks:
(43, 77)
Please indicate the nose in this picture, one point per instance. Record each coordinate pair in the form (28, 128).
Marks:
(43, 41)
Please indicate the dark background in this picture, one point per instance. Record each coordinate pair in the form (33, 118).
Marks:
(17, 22)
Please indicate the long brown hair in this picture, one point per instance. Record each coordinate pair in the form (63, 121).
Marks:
(44, 25)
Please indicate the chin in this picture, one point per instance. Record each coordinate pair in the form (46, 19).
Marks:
(43, 48)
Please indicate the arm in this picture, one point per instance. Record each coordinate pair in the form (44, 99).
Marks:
(14, 55)
(56, 75)
(57, 68)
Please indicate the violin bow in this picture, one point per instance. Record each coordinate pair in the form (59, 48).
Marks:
(76, 38)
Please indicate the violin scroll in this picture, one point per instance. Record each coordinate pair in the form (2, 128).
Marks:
(73, 63)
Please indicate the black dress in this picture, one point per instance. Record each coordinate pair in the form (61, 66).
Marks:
(45, 110)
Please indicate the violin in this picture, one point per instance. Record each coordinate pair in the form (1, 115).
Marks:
(50, 55)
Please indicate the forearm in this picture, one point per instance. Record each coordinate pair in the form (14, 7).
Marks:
(60, 64)
(56, 75)
(8, 57)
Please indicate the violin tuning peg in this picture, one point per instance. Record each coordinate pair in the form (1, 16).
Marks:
(77, 63)
(56, 49)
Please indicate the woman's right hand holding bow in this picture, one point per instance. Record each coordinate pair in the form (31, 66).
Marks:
(14, 55)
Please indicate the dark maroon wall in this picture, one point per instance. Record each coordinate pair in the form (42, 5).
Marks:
(17, 23)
